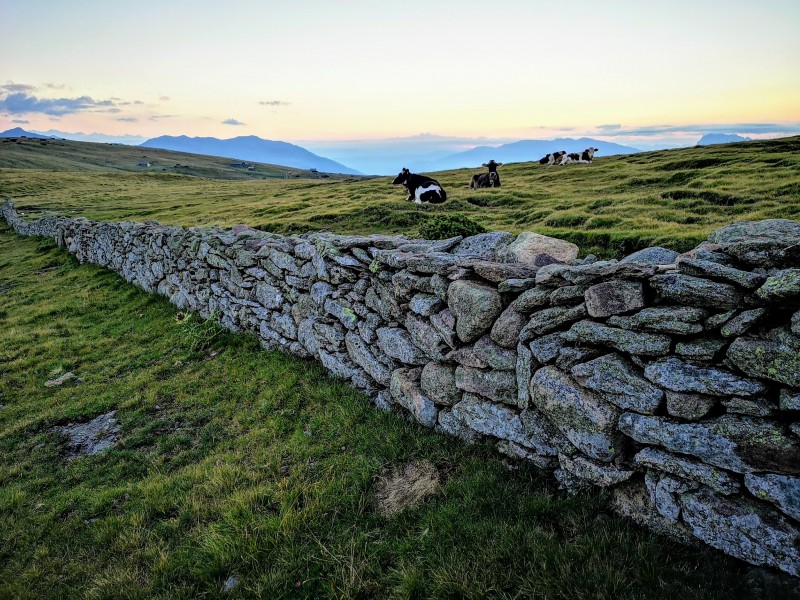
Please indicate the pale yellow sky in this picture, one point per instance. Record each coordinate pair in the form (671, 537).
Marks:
(361, 70)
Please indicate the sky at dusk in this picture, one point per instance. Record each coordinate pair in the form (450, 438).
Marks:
(634, 72)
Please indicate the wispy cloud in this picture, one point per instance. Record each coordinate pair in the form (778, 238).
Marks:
(128, 119)
(164, 98)
(20, 121)
(274, 103)
(17, 88)
(232, 122)
(612, 127)
(660, 130)
(15, 102)
(159, 117)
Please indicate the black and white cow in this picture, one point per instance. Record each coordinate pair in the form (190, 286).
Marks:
(584, 157)
(485, 180)
(553, 158)
(490, 179)
(421, 189)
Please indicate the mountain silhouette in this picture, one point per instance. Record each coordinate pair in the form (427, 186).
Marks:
(251, 147)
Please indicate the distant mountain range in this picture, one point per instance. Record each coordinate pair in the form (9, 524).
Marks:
(721, 138)
(20, 132)
(522, 151)
(253, 148)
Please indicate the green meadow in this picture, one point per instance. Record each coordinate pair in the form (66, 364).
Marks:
(239, 463)
(672, 198)
(257, 469)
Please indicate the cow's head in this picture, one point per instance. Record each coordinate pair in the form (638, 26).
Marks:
(493, 177)
(561, 152)
(591, 151)
(492, 166)
(402, 177)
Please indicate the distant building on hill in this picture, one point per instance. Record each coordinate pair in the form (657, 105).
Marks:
(144, 163)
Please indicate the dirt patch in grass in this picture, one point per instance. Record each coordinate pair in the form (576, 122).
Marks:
(405, 486)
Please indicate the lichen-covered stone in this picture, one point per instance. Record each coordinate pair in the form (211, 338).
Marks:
(495, 355)
(425, 304)
(614, 298)
(752, 407)
(632, 500)
(438, 382)
(789, 399)
(743, 322)
(397, 343)
(714, 270)
(586, 420)
(445, 323)
(475, 307)
(705, 348)
(550, 319)
(680, 320)
(768, 243)
(742, 528)
(781, 490)
(546, 348)
(644, 344)
(406, 392)
(599, 474)
(694, 291)
(506, 328)
(736, 443)
(500, 386)
(569, 356)
(532, 299)
(664, 491)
(679, 376)
(488, 246)
(519, 452)
(689, 406)
(688, 468)
(362, 355)
(452, 425)
(617, 381)
(776, 357)
(529, 244)
(524, 371)
(781, 288)
(568, 295)
(426, 337)
(652, 256)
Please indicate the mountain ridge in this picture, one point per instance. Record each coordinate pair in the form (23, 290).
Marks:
(250, 147)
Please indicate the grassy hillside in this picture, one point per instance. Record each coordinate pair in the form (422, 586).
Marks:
(234, 462)
(64, 155)
(672, 198)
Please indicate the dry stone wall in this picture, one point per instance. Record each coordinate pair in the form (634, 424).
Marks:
(672, 379)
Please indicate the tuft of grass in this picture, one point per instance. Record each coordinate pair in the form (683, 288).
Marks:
(257, 466)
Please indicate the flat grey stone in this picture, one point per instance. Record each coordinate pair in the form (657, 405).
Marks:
(550, 319)
(406, 392)
(495, 355)
(528, 245)
(705, 348)
(568, 295)
(743, 528)
(489, 246)
(776, 358)
(652, 256)
(425, 337)
(694, 291)
(789, 399)
(500, 386)
(546, 348)
(618, 382)
(678, 376)
(614, 298)
(397, 343)
(768, 243)
(743, 322)
(582, 416)
(783, 288)
(93, 437)
(689, 406)
(532, 299)
(599, 474)
(362, 355)
(680, 320)
(688, 468)
(524, 371)
(713, 270)
(507, 327)
(644, 344)
(425, 304)
(781, 490)
(739, 444)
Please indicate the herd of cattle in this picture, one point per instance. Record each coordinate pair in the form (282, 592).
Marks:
(426, 190)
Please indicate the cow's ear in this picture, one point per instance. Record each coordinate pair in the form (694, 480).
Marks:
(499, 164)
(484, 165)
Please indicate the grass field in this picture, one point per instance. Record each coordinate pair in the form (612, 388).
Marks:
(671, 198)
(234, 462)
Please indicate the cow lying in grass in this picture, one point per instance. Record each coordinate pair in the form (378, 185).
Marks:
(584, 157)
(421, 189)
(554, 158)
(484, 180)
